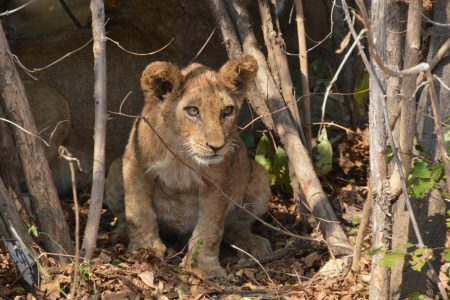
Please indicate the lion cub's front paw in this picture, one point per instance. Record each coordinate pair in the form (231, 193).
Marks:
(156, 245)
(210, 272)
(205, 267)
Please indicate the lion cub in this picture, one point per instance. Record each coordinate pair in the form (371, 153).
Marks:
(184, 156)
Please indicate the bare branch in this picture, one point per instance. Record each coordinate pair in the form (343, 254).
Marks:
(64, 153)
(434, 22)
(204, 45)
(8, 12)
(138, 54)
(338, 71)
(16, 59)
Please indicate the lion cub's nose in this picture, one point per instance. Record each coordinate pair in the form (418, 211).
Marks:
(215, 148)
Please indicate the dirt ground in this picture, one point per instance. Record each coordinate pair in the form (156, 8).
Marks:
(298, 269)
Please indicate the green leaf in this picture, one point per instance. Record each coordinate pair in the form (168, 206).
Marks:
(262, 155)
(446, 254)
(437, 172)
(356, 219)
(421, 188)
(361, 93)
(418, 296)
(390, 259)
(420, 170)
(263, 146)
(33, 231)
(419, 258)
(376, 251)
(324, 154)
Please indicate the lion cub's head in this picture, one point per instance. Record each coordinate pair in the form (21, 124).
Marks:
(195, 109)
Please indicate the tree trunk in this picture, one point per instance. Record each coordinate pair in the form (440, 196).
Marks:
(98, 172)
(379, 287)
(430, 212)
(44, 197)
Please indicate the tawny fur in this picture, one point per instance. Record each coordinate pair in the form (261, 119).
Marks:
(161, 191)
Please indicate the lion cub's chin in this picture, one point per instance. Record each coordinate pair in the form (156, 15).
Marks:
(208, 160)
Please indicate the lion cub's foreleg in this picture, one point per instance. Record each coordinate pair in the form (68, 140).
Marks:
(139, 212)
(238, 223)
(204, 245)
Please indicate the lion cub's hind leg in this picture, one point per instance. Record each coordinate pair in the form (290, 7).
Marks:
(114, 199)
(238, 224)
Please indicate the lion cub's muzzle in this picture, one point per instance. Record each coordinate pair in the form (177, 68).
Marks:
(207, 154)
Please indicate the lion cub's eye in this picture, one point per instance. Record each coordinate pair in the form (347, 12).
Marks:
(191, 111)
(228, 110)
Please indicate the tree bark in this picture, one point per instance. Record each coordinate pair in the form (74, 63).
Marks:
(379, 287)
(98, 173)
(303, 58)
(10, 221)
(278, 64)
(44, 197)
(299, 159)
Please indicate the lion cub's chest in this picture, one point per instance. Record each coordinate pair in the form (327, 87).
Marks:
(175, 197)
(174, 175)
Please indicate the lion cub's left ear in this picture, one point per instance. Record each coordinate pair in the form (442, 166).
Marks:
(159, 80)
(238, 74)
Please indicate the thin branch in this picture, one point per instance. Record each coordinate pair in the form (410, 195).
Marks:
(438, 128)
(440, 54)
(254, 258)
(441, 82)
(204, 45)
(16, 59)
(434, 22)
(26, 131)
(8, 12)
(338, 71)
(64, 153)
(138, 54)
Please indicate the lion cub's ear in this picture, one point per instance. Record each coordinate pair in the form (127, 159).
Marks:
(238, 74)
(159, 80)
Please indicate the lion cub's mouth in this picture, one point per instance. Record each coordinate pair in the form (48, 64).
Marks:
(207, 160)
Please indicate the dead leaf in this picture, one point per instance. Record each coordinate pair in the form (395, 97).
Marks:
(344, 43)
(311, 259)
(148, 278)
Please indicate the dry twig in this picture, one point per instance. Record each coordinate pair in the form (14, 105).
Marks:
(9, 12)
(64, 153)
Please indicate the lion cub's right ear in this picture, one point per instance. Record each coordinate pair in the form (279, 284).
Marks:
(159, 80)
